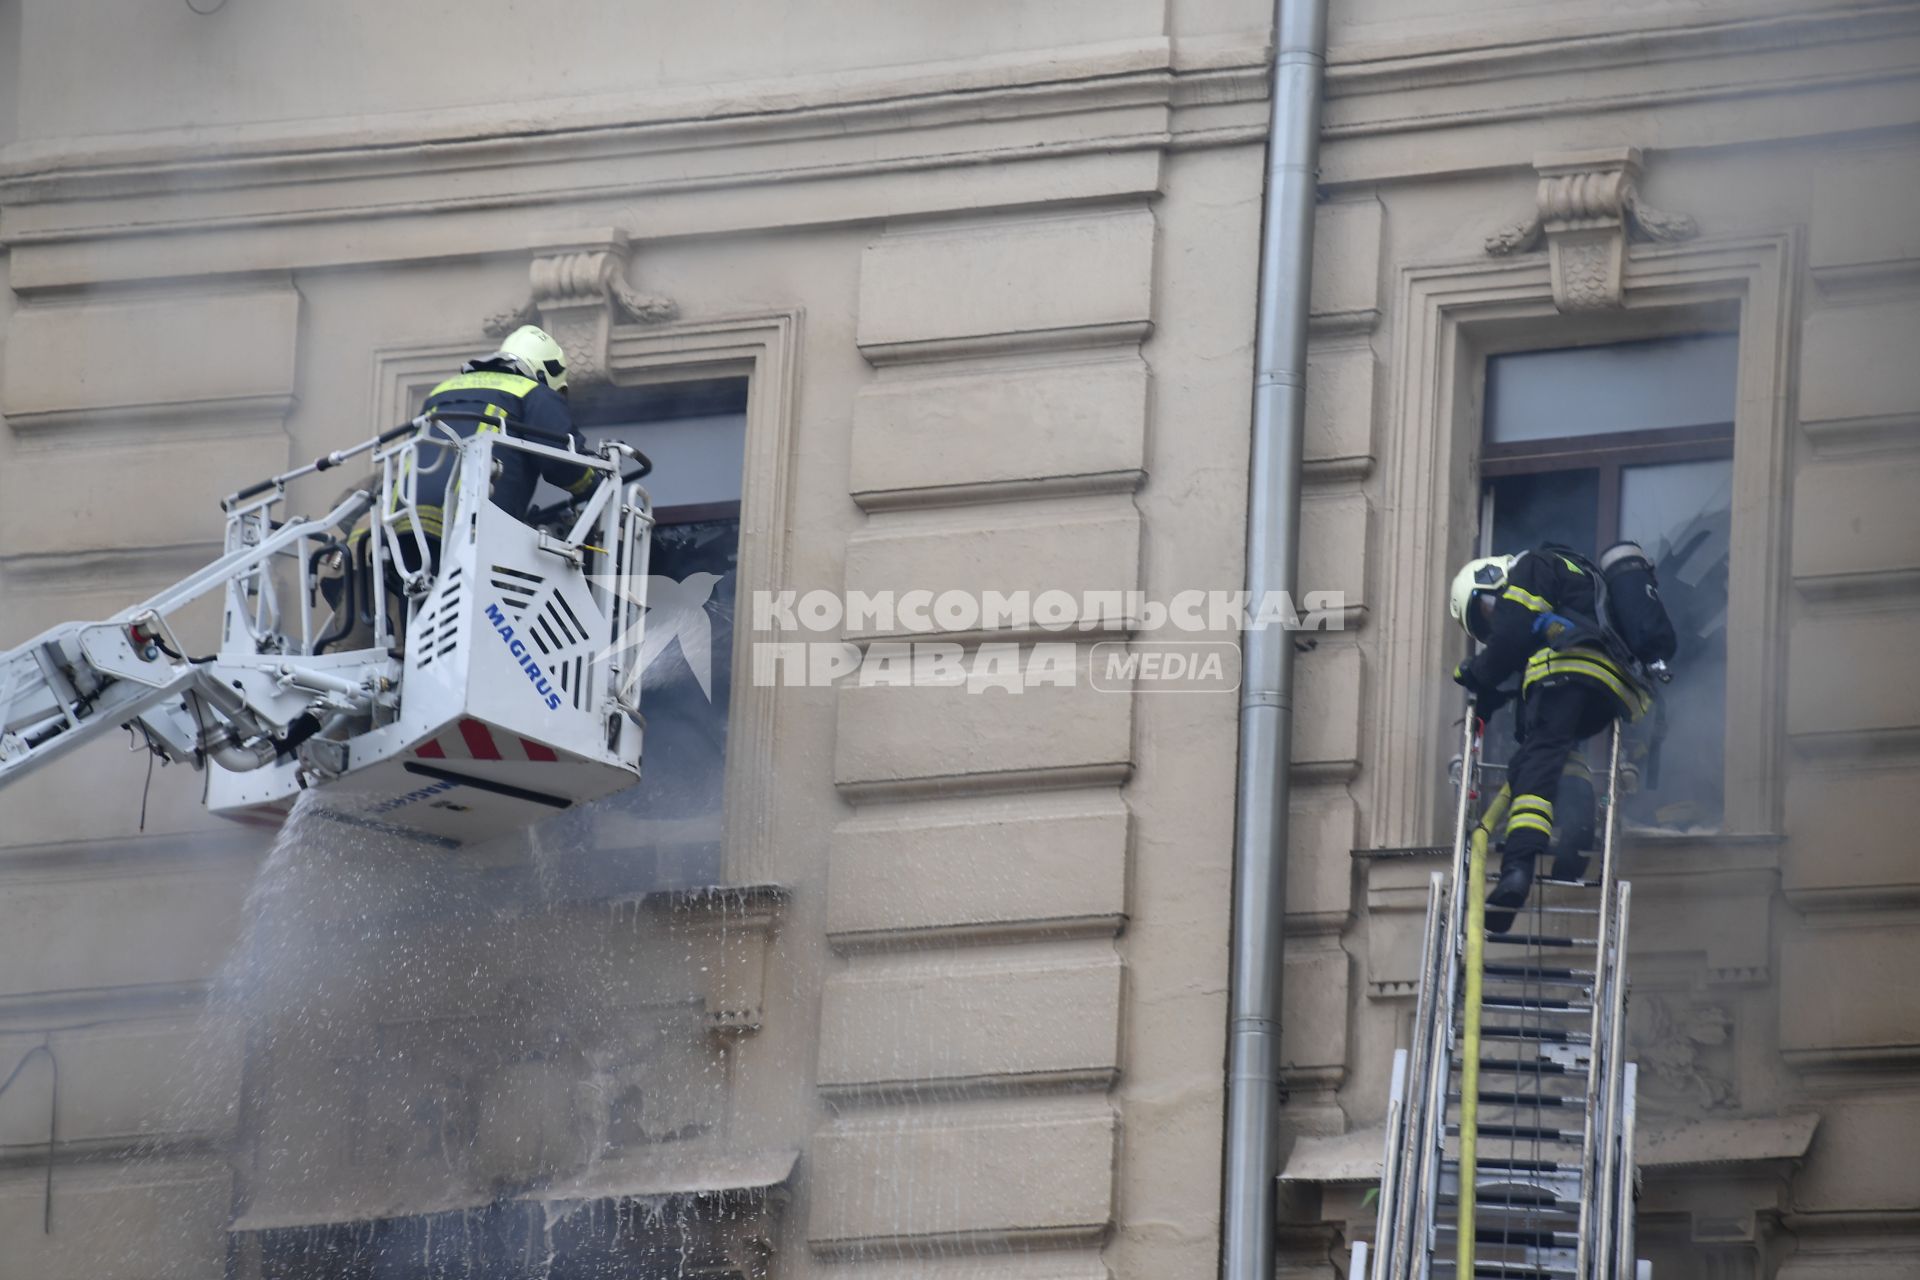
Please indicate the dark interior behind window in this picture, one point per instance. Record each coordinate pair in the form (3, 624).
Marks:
(1592, 445)
(667, 830)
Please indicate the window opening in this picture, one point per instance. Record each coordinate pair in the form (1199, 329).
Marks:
(668, 830)
(1588, 446)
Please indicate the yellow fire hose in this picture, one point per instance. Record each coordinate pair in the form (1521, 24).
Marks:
(1496, 813)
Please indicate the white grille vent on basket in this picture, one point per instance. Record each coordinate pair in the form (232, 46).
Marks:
(551, 625)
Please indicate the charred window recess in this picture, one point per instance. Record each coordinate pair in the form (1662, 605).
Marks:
(714, 1235)
(667, 831)
(1588, 446)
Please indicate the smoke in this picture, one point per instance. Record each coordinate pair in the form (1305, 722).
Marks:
(1681, 765)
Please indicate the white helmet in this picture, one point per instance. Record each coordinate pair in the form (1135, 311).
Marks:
(537, 355)
(1489, 573)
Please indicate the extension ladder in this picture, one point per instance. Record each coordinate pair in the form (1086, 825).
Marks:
(1509, 1146)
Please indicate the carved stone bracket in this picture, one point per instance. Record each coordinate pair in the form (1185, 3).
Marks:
(733, 926)
(1587, 208)
(1685, 1051)
(579, 292)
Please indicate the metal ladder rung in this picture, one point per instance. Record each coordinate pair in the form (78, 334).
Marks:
(1552, 882)
(1504, 1271)
(1522, 1133)
(1531, 981)
(1559, 1188)
(1556, 1210)
(1519, 1003)
(1524, 1067)
(1505, 1164)
(1524, 910)
(1537, 973)
(1516, 1239)
(1543, 1101)
(1545, 1035)
(1537, 940)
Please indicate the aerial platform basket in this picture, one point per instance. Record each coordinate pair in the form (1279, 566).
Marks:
(513, 703)
(450, 702)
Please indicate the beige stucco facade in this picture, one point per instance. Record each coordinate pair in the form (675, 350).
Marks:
(990, 271)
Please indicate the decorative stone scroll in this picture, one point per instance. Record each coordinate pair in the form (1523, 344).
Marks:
(580, 292)
(1685, 1051)
(1588, 207)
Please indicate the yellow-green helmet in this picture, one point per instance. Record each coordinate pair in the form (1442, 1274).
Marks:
(1488, 573)
(537, 354)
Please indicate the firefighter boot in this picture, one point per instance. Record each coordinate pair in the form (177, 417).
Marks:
(1569, 863)
(1516, 878)
(1574, 822)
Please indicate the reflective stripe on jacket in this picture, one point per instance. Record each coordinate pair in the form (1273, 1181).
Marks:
(505, 400)
(1543, 583)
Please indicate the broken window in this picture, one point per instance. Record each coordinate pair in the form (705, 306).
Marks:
(1588, 446)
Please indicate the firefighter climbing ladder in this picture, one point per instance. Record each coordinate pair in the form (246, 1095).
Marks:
(1509, 1149)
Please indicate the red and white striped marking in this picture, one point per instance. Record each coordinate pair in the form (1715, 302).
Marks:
(472, 740)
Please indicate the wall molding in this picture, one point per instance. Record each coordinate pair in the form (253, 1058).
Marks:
(1004, 782)
(1858, 748)
(1362, 68)
(79, 1010)
(1093, 106)
(1867, 282)
(1153, 70)
(1025, 1084)
(1872, 1058)
(990, 492)
(980, 933)
(176, 416)
(1084, 337)
(1848, 903)
(1862, 437)
(119, 571)
(1086, 105)
(888, 100)
(1716, 48)
(1867, 588)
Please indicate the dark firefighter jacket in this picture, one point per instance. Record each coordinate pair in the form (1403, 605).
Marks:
(1545, 591)
(510, 401)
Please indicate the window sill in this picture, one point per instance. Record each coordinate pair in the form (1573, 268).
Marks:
(1653, 853)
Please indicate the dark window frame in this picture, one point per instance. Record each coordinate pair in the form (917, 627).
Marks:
(1610, 454)
(696, 513)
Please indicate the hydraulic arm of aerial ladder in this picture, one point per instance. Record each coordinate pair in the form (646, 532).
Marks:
(1509, 1148)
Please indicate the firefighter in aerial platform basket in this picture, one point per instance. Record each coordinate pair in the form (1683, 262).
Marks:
(520, 390)
(1587, 641)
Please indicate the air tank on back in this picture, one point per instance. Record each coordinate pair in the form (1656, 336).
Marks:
(1634, 604)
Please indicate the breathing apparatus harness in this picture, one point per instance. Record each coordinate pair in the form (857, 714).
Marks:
(1559, 630)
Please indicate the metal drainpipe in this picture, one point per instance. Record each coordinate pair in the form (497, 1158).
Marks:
(1266, 704)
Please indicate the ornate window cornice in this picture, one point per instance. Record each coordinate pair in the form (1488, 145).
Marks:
(1587, 209)
(579, 292)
